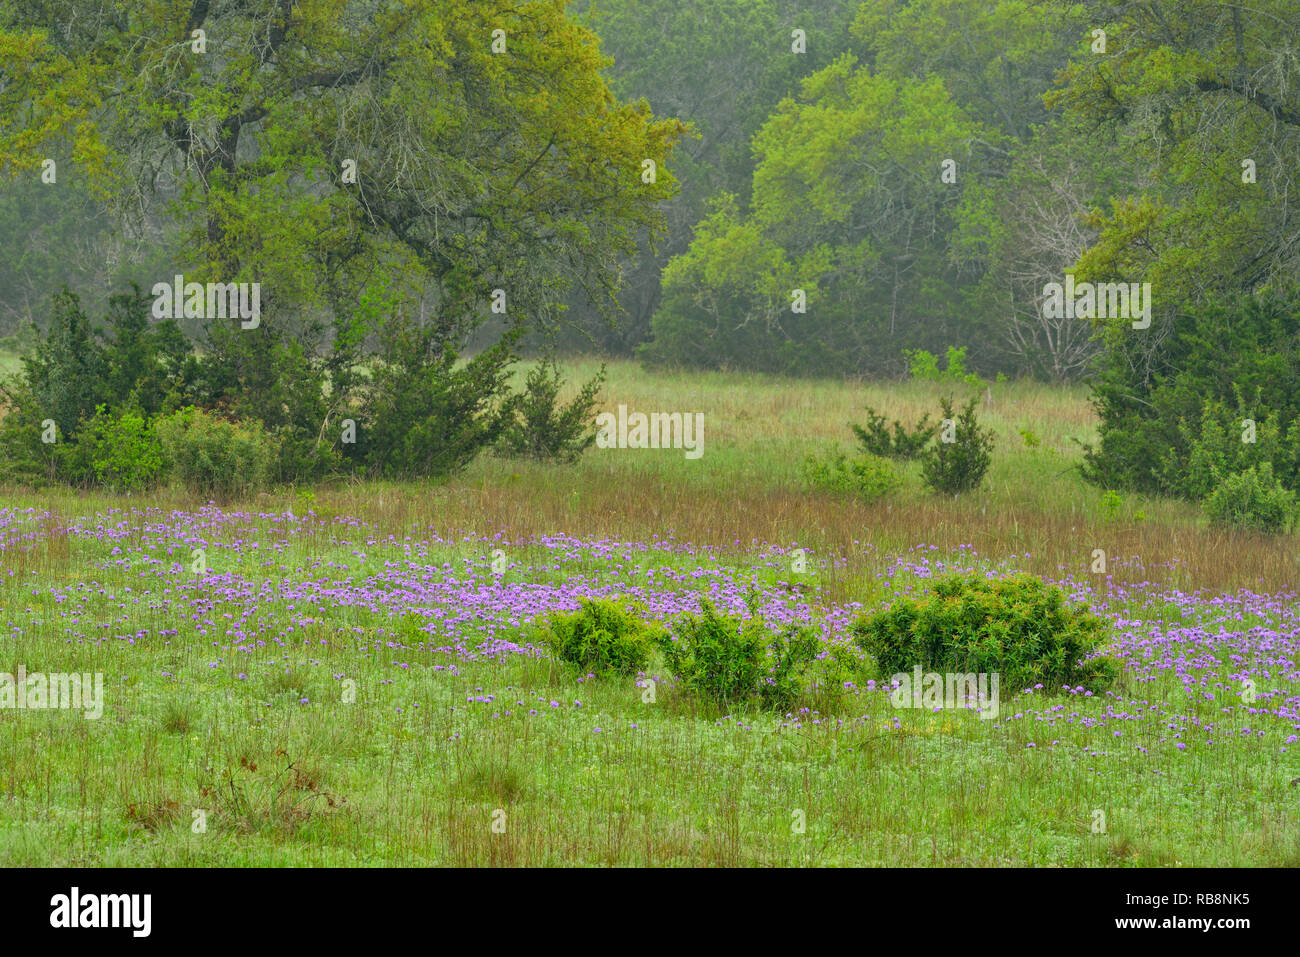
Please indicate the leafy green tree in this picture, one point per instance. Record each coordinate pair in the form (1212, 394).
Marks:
(66, 375)
(465, 153)
(722, 66)
(1159, 420)
(150, 366)
(847, 202)
(1204, 95)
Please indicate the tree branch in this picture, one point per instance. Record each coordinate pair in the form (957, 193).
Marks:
(1265, 101)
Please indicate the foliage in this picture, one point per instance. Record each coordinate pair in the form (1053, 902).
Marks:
(1228, 442)
(836, 260)
(1252, 499)
(869, 477)
(215, 458)
(425, 414)
(114, 450)
(1018, 626)
(291, 138)
(1191, 93)
(282, 96)
(112, 379)
(901, 443)
(545, 431)
(602, 636)
(924, 366)
(1172, 415)
(148, 365)
(270, 375)
(728, 659)
(672, 53)
(24, 458)
(66, 375)
(951, 468)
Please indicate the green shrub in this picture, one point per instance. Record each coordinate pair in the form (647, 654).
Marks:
(545, 431)
(1018, 626)
(1252, 499)
(924, 366)
(900, 443)
(728, 659)
(213, 457)
(114, 450)
(958, 466)
(424, 412)
(600, 637)
(66, 375)
(1160, 399)
(869, 478)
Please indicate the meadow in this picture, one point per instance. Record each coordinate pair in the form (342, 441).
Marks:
(354, 679)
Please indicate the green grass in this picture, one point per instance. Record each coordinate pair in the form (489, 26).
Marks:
(409, 773)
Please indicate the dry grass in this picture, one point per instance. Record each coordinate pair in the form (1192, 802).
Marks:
(748, 485)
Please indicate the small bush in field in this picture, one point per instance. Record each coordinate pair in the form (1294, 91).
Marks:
(600, 636)
(897, 442)
(869, 478)
(956, 466)
(1253, 499)
(1019, 627)
(114, 450)
(727, 659)
(213, 457)
(546, 431)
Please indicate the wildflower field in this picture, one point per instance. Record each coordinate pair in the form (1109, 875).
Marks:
(354, 676)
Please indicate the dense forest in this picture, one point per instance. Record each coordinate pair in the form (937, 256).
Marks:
(805, 187)
(919, 169)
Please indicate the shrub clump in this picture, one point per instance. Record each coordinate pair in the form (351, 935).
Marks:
(1172, 413)
(897, 443)
(1252, 499)
(118, 451)
(869, 477)
(546, 430)
(958, 461)
(213, 457)
(924, 366)
(1018, 626)
(602, 637)
(728, 659)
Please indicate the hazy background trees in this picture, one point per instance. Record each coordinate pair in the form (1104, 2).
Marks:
(833, 185)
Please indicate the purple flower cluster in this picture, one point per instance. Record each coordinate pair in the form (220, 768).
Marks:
(1203, 671)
